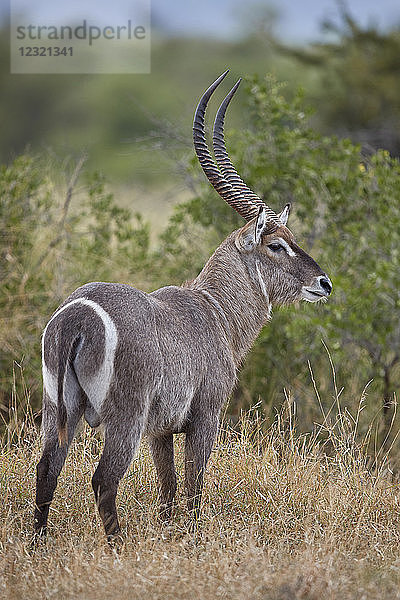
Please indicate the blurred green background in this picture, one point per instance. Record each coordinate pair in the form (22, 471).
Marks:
(140, 210)
(135, 128)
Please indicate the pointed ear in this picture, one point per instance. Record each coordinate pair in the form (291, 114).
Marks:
(284, 215)
(250, 235)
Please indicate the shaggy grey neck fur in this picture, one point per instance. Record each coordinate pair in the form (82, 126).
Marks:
(236, 291)
(221, 313)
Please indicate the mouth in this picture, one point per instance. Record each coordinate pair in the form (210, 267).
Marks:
(313, 295)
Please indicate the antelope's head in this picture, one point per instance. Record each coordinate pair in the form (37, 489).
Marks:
(281, 269)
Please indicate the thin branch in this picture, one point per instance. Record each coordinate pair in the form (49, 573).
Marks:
(61, 224)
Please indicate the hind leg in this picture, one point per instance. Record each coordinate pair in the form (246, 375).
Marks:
(121, 440)
(51, 462)
(162, 449)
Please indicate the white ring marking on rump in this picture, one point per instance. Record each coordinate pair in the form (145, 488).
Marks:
(97, 386)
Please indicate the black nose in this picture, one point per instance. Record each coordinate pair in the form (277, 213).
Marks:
(325, 283)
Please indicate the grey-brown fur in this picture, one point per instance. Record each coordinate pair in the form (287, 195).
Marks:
(173, 355)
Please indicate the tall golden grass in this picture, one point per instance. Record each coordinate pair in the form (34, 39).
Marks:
(285, 516)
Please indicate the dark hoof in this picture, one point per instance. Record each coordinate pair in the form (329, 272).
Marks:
(193, 526)
(116, 542)
(38, 541)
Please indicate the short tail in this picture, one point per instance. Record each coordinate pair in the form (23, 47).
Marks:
(65, 357)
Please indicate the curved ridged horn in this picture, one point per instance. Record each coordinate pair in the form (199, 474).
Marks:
(242, 204)
(224, 162)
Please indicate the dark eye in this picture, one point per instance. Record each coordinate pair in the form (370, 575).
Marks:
(275, 247)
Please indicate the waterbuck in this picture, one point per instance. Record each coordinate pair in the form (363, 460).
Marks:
(163, 363)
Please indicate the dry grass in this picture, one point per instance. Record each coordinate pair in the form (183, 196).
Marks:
(283, 519)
